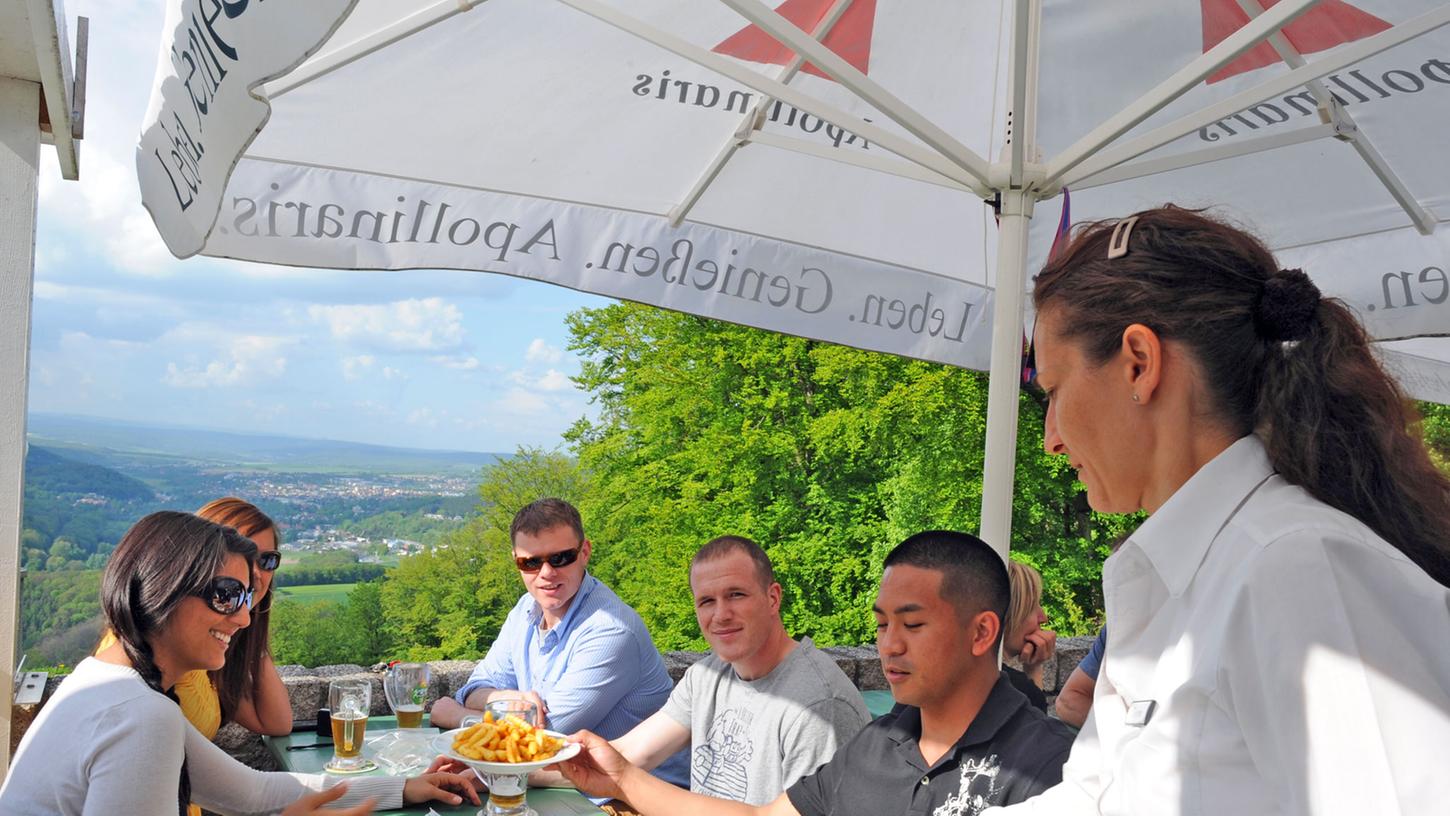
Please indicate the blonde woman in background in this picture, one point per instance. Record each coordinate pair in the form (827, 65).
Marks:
(1025, 640)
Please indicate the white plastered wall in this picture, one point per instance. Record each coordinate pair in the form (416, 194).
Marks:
(19, 158)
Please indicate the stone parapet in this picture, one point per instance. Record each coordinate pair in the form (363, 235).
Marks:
(1070, 652)
(307, 687)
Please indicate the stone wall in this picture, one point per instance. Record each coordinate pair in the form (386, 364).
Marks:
(307, 688)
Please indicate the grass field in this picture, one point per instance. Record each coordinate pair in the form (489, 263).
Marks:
(316, 592)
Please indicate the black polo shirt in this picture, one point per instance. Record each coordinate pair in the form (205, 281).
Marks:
(1010, 752)
(1024, 684)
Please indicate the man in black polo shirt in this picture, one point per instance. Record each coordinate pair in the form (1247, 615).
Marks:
(960, 738)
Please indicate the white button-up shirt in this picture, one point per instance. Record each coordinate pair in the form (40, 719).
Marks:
(1294, 663)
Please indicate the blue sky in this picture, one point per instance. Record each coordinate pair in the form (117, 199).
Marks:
(122, 330)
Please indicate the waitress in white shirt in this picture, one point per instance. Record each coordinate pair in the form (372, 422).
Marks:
(1279, 628)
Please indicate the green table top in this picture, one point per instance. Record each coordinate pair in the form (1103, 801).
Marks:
(878, 702)
(547, 801)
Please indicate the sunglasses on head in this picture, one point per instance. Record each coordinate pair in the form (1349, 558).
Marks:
(269, 561)
(557, 560)
(226, 594)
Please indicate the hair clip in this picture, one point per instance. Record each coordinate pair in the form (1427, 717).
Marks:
(1122, 231)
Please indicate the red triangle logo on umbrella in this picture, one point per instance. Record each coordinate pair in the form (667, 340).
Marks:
(850, 38)
(1328, 24)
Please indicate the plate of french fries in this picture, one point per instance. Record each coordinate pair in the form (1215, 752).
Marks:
(509, 745)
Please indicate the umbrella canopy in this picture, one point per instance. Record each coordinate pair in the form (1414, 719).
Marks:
(859, 171)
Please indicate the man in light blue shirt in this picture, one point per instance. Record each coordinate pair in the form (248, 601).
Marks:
(570, 645)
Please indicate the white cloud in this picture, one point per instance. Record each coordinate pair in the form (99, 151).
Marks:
(105, 207)
(459, 362)
(554, 381)
(374, 408)
(541, 352)
(517, 402)
(353, 367)
(247, 358)
(81, 343)
(426, 417)
(430, 324)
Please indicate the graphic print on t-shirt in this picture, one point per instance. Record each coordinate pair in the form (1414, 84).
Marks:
(719, 766)
(977, 790)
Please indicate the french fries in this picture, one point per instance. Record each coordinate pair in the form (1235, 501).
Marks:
(507, 740)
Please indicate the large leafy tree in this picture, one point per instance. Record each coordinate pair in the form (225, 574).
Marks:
(826, 455)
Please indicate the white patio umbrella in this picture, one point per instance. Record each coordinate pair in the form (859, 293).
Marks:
(817, 167)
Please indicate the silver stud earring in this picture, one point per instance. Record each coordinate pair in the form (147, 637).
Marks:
(1135, 396)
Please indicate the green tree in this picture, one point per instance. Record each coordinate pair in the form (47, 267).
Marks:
(65, 549)
(59, 614)
(1435, 428)
(826, 455)
(35, 559)
(450, 600)
(312, 634)
(365, 623)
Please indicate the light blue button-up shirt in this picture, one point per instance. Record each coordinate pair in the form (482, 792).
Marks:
(597, 669)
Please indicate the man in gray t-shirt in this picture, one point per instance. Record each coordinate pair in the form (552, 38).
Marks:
(752, 739)
(762, 711)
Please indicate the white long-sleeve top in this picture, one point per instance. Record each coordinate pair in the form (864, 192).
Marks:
(106, 743)
(1294, 661)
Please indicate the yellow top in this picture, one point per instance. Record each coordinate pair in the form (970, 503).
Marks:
(199, 703)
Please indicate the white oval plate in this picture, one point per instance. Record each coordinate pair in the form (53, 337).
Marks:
(444, 745)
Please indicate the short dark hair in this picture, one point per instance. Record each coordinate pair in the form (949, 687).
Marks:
(546, 514)
(726, 544)
(974, 577)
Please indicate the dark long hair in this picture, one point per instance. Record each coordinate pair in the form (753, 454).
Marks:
(237, 680)
(1279, 361)
(163, 559)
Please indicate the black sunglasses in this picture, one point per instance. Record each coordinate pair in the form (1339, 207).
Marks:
(269, 561)
(226, 595)
(557, 560)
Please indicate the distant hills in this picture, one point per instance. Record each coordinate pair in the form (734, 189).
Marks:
(48, 471)
(111, 442)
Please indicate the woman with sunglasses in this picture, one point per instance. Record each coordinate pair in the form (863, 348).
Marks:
(112, 739)
(247, 690)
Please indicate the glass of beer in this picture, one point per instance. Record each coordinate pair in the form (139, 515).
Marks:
(507, 791)
(349, 701)
(406, 686)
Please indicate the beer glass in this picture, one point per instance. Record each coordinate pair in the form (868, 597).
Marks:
(506, 791)
(349, 701)
(406, 687)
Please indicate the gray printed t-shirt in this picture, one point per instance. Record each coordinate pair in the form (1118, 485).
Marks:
(752, 739)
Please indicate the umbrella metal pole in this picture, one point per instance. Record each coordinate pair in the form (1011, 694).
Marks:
(1004, 379)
